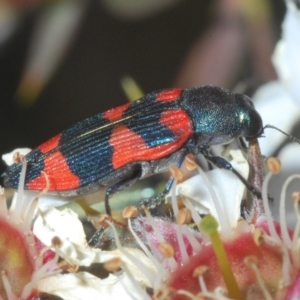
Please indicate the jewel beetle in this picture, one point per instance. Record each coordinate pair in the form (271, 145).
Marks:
(114, 149)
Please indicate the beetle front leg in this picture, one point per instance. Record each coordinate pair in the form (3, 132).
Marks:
(153, 202)
(222, 163)
(118, 187)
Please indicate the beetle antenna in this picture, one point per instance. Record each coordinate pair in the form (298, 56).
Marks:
(286, 134)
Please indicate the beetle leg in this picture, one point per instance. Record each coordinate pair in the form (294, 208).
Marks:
(222, 163)
(118, 187)
(153, 202)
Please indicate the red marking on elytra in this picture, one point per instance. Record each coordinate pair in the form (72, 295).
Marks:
(130, 147)
(169, 95)
(115, 114)
(50, 144)
(59, 174)
(178, 121)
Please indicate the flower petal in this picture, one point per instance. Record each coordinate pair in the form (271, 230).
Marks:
(269, 101)
(8, 157)
(286, 57)
(229, 189)
(83, 285)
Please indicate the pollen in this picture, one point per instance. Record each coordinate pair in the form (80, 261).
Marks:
(190, 162)
(166, 250)
(130, 212)
(176, 173)
(113, 265)
(17, 157)
(199, 271)
(184, 216)
(296, 197)
(274, 165)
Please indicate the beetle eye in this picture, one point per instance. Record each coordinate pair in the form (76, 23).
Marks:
(255, 128)
(251, 121)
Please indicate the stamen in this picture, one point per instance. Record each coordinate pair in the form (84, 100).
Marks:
(16, 216)
(295, 248)
(129, 212)
(174, 199)
(265, 199)
(162, 273)
(251, 262)
(179, 236)
(199, 272)
(286, 262)
(166, 250)
(32, 249)
(274, 165)
(164, 293)
(220, 293)
(159, 236)
(186, 294)
(133, 259)
(224, 224)
(258, 236)
(29, 212)
(184, 216)
(216, 295)
(28, 217)
(42, 272)
(7, 287)
(190, 162)
(196, 246)
(29, 287)
(182, 248)
(143, 246)
(137, 287)
(210, 225)
(176, 173)
(17, 157)
(65, 266)
(3, 202)
(284, 231)
(56, 242)
(196, 217)
(39, 258)
(112, 265)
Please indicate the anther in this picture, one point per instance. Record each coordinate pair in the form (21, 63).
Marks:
(166, 250)
(258, 236)
(176, 173)
(274, 165)
(112, 265)
(296, 197)
(190, 162)
(184, 216)
(67, 267)
(252, 262)
(17, 157)
(130, 212)
(56, 242)
(200, 271)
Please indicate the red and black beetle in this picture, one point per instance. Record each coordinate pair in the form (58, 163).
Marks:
(120, 146)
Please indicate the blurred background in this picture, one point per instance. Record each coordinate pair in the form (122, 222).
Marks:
(64, 60)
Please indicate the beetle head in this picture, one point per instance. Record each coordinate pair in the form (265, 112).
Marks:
(250, 120)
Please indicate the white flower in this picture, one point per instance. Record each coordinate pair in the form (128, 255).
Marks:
(74, 249)
(278, 102)
(228, 188)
